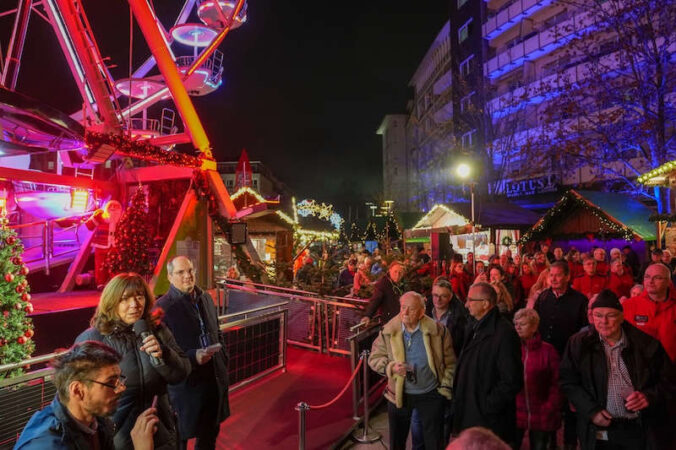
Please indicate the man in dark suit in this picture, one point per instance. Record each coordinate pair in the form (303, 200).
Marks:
(202, 399)
(489, 373)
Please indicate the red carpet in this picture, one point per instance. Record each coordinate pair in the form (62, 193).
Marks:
(263, 414)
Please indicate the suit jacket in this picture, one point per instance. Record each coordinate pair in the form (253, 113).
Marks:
(205, 392)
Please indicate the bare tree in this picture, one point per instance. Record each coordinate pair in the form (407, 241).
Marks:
(610, 110)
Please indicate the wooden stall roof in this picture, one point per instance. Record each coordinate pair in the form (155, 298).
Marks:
(598, 213)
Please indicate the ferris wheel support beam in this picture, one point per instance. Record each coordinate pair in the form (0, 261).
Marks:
(13, 62)
(67, 18)
(148, 23)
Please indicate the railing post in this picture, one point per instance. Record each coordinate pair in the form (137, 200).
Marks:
(302, 409)
(47, 245)
(366, 436)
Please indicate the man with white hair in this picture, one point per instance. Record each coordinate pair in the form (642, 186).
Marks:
(416, 354)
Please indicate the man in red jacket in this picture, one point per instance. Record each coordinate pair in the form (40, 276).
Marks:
(590, 283)
(619, 281)
(654, 310)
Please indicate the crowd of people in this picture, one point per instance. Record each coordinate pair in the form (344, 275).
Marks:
(528, 344)
(146, 375)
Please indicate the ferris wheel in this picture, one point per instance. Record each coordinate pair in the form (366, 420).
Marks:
(186, 56)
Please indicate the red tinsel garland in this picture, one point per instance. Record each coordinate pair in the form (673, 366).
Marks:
(140, 149)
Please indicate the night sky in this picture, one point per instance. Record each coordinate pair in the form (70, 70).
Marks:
(307, 83)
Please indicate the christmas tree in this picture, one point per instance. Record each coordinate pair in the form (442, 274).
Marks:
(16, 329)
(391, 229)
(371, 233)
(132, 239)
(355, 233)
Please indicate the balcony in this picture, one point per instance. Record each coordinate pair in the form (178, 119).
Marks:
(511, 14)
(538, 44)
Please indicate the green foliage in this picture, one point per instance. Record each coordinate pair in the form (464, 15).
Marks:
(132, 239)
(16, 329)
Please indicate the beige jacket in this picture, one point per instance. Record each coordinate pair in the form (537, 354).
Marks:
(388, 348)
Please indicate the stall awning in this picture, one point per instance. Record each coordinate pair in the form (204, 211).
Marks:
(441, 216)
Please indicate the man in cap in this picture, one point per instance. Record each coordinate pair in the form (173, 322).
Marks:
(620, 382)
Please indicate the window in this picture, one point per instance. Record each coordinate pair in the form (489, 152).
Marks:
(461, 3)
(467, 139)
(466, 102)
(255, 184)
(229, 183)
(463, 32)
(466, 66)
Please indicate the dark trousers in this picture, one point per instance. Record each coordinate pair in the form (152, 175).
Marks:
(539, 440)
(417, 436)
(623, 435)
(430, 410)
(205, 439)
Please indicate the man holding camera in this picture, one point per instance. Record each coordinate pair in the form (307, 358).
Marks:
(416, 354)
(202, 399)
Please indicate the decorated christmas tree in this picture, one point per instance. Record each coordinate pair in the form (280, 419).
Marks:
(132, 239)
(355, 233)
(16, 329)
(391, 229)
(371, 233)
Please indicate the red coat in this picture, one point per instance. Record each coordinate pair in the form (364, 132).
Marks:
(620, 285)
(538, 405)
(656, 319)
(602, 268)
(460, 284)
(527, 282)
(576, 269)
(589, 285)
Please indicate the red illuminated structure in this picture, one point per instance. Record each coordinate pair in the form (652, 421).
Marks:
(79, 157)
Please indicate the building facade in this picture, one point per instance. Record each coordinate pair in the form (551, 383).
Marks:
(396, 180)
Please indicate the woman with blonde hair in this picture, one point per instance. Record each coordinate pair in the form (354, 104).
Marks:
(540, 285)
(151, 359)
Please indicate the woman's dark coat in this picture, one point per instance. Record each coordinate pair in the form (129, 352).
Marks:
(584, 380)
(207, 385)
(144, 380)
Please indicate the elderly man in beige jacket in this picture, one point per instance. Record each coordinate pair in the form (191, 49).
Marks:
(416, 354)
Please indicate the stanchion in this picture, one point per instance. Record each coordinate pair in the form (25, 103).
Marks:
(302, 409)
(366, 436)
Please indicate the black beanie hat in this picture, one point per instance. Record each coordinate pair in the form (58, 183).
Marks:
(607, 299)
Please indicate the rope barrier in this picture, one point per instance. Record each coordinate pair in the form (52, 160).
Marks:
(340, 394)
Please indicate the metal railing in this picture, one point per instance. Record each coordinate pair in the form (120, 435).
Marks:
(52, 240)
(318, 322)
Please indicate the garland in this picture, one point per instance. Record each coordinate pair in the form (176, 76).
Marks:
(139, 149)
(662, 218)
(568, 202)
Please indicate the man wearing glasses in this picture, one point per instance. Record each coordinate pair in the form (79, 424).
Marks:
(88, 384)
(620, 382)
(201, 400)
(653, 311)
(489, 374)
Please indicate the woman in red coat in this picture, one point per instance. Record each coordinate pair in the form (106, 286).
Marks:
(619, 281)
(538, 405)
(459, 280)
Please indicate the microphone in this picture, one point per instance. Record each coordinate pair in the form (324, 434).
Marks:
(141, 329)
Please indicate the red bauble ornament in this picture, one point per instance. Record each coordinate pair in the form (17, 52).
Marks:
(24, 270)
(5, 313)
(28, 308)
(9, 277)
(17, 306)
(21, 340)
(29, 333)
(17, 261)
(26, 297)
(11, 240)
(19, 289)
(2, 342)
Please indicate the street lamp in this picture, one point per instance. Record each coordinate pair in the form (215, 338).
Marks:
(464, 171)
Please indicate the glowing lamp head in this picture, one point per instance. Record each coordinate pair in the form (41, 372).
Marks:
(463, 170)
(79, 199)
